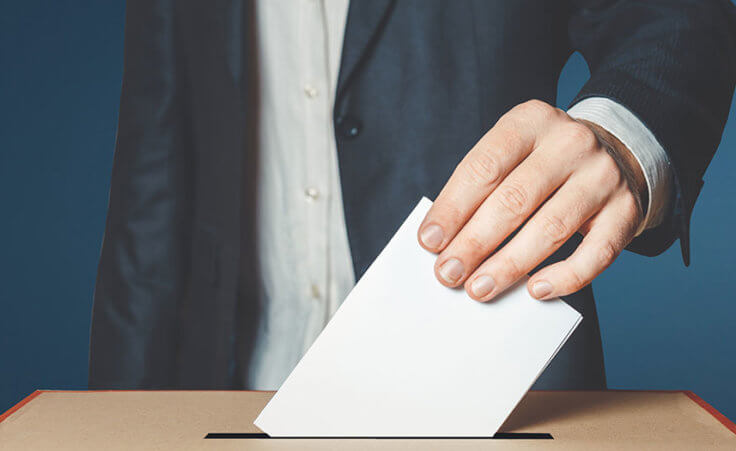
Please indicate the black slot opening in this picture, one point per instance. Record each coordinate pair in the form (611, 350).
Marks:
(498, 436)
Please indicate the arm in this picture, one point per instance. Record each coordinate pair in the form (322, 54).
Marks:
(673, 65)
(549, 175)
(141, 271)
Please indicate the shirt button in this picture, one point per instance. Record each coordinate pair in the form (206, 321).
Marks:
(311, 91)
(314, 291)
(349, 127)
(312, 193)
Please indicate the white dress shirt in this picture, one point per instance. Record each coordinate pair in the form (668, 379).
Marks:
(305, 263)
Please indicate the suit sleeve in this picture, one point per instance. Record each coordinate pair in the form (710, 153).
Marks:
(141, 271)
(673, 64)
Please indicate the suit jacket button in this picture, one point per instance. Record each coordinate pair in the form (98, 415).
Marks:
(348, 127)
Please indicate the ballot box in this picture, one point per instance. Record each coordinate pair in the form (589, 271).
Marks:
(214, 420)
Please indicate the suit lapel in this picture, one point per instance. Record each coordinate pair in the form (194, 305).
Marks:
(365, 20)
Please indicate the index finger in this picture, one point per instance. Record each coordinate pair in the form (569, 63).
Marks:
(478, 174)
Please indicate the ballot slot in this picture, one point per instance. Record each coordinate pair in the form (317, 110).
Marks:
(497, 436)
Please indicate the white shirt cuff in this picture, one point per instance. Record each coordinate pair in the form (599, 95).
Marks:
(624, 125)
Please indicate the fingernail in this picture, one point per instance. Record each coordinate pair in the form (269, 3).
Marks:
(482, 285)
(541, 289)
(451, 270)
(431, 236)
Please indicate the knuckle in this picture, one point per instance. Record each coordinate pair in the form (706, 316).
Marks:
(512, 198)
(609, 173)
(630, 208)
(536, 108)
(483, 169)
(555, 229)
(581, 135)
(606, 253)
(474, 244)
(508, 118)
(511, 137)
(512, 267)
(509, 130)
(577, 282)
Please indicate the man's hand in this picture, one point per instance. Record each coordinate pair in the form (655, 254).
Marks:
(539, 168)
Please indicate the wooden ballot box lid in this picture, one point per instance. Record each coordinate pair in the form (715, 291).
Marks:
(575, 420)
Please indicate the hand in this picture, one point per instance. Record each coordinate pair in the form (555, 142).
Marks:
(537, 167)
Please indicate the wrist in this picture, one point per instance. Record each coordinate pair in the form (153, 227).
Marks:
(626, 161)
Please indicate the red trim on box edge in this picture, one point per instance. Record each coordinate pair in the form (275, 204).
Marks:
(124, 390)
(20, 404)
(711, 410)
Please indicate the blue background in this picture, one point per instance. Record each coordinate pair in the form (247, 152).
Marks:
(664, 326)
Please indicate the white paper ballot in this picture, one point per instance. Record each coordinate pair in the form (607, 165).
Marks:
(406, 356)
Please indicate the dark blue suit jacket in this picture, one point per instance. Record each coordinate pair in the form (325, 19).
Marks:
(420, 82)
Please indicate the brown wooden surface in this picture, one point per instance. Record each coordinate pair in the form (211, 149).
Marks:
(181, 419)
